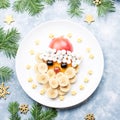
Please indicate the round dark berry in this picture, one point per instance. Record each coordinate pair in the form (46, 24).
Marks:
(63, 65)
(50, 62)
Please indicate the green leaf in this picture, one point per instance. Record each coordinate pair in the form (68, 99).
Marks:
(13, 108)
(33, 7)
(74, 8)
(9, 42)
(105, 7)
(39, 114)
(4, 3)
(5, 73)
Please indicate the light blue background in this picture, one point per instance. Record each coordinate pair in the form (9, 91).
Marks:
(105, 102)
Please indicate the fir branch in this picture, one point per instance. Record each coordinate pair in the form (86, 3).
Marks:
(4, 4)
(105, 7)
(49, 2)
(13, 108)
(8, 42)
(5, 73)
(48, 114)
(38, 114)
(33, 7)
(74, 8)
(36, 111)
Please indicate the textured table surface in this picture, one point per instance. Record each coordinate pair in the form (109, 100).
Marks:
(105, 102)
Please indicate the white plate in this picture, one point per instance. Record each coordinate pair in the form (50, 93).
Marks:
(59, 28)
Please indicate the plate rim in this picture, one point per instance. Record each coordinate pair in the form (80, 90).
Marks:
(71, 22)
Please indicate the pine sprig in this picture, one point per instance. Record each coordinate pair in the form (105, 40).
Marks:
(9, 42)
(5, 73)
(4, 3)
(48, 114)
(105, 7)
(49, 2)
(33, 7)
(38, 114)
(74, 8)
(13, 108)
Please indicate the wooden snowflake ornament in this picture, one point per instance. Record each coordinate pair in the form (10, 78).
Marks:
(89, 117)
(3, 91)
(97, 2)
(23, 108)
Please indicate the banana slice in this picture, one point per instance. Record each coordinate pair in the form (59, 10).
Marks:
(51, 73)
(70, 72)
(42, 67)
(52, 93)
(72, 80)
(66, 88)
(61, 93)
(46, 86)
(53, 83)
(58, 75)
(36, 68)
(77, 69)
(37, 58)
(63, 81)
(42, 78)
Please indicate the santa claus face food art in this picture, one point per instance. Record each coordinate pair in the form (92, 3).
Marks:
(56, 68)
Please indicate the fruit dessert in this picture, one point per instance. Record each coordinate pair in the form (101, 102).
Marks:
(56, 68)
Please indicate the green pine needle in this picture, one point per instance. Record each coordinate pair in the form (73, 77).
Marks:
(39, 114)
(48, 114)
(74, 8)
(105, 7)
(13, 108)
(5, 73)
(49, 2)
(9, 42)
(33, 7)
(4, 4)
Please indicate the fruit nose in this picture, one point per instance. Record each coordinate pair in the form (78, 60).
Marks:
(56, 69)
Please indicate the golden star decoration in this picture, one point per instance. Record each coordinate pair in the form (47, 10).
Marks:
(89, 19)
(3, 91)
(9, 19)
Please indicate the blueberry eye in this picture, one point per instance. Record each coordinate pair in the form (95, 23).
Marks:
(50, 62)
(64, 65)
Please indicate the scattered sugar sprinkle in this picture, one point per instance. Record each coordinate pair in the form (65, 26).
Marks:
(81, 87)
(28, 67)
(73, 92)
(34, 86)
(88, 50)
(42, 91)
(37, 42)
(30, 79)
(61, 98)
(86, 80)
(79, 40)
(90, 72)
(91, 56)
(51, 35)
(31, 52)
(69, 35)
